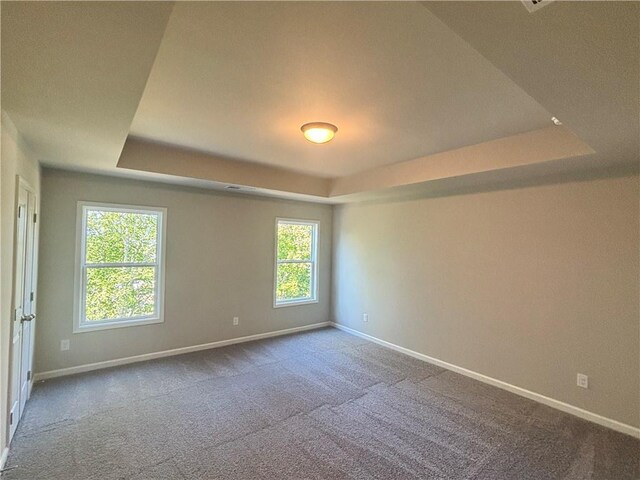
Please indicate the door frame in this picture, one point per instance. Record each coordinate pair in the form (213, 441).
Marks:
(22, 184)
(32, 222)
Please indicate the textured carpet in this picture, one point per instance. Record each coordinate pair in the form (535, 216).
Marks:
(317, 405)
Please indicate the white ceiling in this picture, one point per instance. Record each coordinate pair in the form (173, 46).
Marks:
(238, 79)
(73, 73)
(581, 60)
(126, 88)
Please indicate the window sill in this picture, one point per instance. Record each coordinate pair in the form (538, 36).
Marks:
(116, 324)
(293, 303)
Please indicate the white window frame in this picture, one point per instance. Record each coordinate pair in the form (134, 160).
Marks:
(80, 324)
(314, 263)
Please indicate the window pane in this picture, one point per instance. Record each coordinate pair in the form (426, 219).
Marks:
(294, 281)
(119, 293)
(114, 237)
(294, 241)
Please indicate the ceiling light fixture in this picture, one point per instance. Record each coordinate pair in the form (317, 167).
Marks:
(318, 132)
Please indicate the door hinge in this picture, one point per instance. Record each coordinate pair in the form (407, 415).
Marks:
(31, 297)
(11, 418)
(29, 375)
(35, 217)
(19, 211)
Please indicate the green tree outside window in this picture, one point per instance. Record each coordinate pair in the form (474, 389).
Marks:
(296, 261)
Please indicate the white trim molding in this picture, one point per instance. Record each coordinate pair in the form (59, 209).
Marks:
(551, 402)
(62, 372)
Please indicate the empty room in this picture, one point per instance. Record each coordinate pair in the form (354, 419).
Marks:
(320, 240)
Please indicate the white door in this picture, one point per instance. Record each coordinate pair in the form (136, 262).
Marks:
(24, 304)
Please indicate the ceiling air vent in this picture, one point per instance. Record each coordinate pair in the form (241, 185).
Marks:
(533, 5)
(242, 188)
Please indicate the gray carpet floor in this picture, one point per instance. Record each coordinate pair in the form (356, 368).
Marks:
(317, 405)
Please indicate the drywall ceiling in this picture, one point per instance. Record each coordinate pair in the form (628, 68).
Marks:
(238, 79)
(581, 60)
(73, 74)
(212, 93)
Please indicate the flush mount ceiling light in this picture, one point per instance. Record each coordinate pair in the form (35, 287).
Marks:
(318, 132)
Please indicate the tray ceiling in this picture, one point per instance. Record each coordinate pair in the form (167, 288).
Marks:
(214, 93)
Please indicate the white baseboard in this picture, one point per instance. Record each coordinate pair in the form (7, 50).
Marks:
(168, 353)
(3, 458)
(557, 404)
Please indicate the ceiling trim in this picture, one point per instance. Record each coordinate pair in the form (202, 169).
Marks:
(543, 145)
(537, 146)
(139, 154)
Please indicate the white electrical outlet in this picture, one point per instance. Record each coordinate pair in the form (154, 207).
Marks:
(64, 345)
(583, 380)
(365, 317)
(236, 320)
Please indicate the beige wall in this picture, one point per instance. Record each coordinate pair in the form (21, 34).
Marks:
(529, 286)
(16, 159)
(219, 264)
